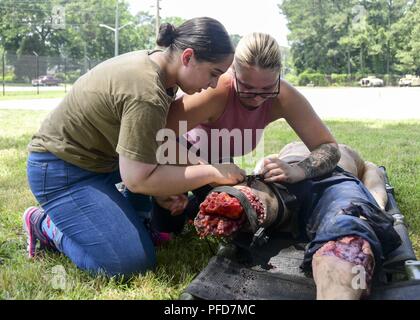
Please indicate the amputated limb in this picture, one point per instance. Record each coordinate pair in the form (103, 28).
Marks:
(343, 269)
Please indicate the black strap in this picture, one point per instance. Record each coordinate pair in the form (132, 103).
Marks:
(249, 210)
(285, 199)
(283, 194)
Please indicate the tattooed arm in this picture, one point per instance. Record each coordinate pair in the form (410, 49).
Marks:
(299, 114)
(321, 160)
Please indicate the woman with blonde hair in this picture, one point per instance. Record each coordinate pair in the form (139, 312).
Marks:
(250, 96)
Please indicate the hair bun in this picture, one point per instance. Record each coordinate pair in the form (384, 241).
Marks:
(167, 35)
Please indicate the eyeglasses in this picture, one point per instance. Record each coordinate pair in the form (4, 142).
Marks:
(250, 94)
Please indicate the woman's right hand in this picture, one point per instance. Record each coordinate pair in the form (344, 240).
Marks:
(175, 204)
(228, 174)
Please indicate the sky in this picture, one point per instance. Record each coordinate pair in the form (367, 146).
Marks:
(238, 16)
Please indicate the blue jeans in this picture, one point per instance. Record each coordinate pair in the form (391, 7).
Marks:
(102, 230)
(332, 207)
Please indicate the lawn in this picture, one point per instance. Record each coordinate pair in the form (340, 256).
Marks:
(29, 95)
(396, 145)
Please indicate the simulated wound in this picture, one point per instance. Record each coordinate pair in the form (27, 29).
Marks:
(353, 249)
(222, 215)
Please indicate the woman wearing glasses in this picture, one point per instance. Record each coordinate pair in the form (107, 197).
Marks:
(250, 96)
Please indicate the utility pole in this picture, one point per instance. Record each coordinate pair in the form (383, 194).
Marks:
(85, 58)
(157, 18)
(117, 28)
(37, 71)
(4, 67)
(65, 74)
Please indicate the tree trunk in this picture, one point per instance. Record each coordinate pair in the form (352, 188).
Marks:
(348, 63)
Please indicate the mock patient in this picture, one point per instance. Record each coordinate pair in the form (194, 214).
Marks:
(341, 216)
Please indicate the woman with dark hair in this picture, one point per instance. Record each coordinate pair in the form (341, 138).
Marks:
(104, 132)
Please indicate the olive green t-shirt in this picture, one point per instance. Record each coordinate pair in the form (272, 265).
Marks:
(116, 108)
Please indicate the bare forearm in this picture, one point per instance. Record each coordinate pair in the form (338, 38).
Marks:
(321, 160)
(168, 180)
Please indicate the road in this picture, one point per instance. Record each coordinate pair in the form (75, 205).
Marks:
(330, 103)
(365, 103)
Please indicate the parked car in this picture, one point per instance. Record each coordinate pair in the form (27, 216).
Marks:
(46, 80)
(409, 81)
(371, 82)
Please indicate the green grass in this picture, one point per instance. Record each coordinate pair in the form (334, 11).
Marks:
(392, 144)
(29, 95)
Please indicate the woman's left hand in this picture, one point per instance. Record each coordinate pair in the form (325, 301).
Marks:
(276, 170)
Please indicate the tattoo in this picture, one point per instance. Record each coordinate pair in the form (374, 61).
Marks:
(321, 161)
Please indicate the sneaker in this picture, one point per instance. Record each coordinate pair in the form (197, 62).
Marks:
(32, 220)
(160, 238)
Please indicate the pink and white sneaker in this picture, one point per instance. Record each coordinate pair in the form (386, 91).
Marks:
(32, 220)
(160, 238)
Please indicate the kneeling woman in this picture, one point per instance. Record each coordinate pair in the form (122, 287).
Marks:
(104, 131)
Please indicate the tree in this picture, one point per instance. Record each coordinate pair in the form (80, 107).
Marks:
(407, 32)
(26, 27)
(316, 27)
(361, 36)
(235, 38)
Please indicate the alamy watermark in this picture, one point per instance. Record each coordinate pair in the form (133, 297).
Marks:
(213, 146)
(359, 13)
(58, 15)
(57, 278)
(359, 280)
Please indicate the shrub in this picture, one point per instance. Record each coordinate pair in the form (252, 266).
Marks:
(60, 75)
(340, 79)
(317, 79)
(391, 80)
(72, 76)
(292, 79)
(9, 77)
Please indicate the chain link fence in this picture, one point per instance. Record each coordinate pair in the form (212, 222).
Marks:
(33, 73)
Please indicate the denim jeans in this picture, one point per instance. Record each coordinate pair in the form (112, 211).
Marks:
(331, 207)
(103, 230)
